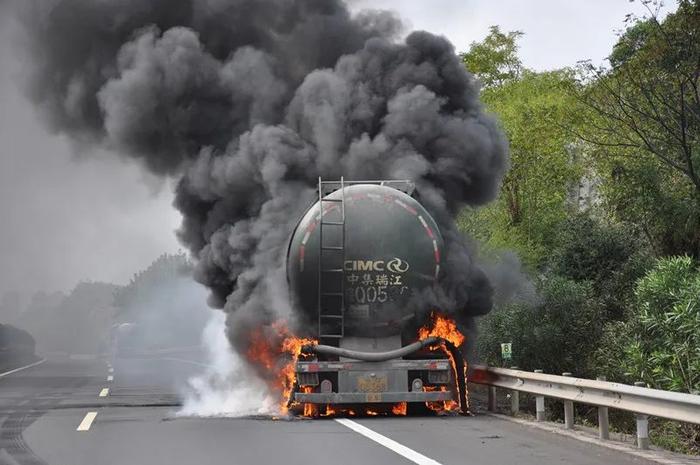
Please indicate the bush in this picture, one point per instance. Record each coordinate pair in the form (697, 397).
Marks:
(660, 341)
(608, 256)
(667, 340)
(556, 334)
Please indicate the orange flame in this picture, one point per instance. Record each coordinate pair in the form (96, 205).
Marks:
(275, 350)
(400, 409)
(446, 328)
(443, 327)
(335, 410)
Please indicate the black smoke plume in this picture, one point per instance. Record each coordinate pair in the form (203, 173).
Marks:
(247, 102)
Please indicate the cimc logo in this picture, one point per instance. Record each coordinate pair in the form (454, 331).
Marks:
(395, 265)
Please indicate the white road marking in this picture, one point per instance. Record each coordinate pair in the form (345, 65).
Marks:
(23, 368)
(110, 378)
(390, 444)
(104, 392)
(87, 421)
(111, 370)
(192, 362)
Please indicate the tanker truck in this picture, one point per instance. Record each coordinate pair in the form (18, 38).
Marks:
(362, 263)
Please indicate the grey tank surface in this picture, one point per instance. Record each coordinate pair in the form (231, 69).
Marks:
(386, 265)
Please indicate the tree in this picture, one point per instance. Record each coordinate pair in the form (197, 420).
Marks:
(644, 122)
(163, 305)
(163, 271)
(494, 61)
(531, 107)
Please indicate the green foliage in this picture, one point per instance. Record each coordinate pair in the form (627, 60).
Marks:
(544, 165)
(660, 342)
(609, 256)
(606, 305)
(495, 60)
(638, 190)
(668, 318)
(631, 42)
(643, 124)
(678, 437)
(588, 250)
(556, 334)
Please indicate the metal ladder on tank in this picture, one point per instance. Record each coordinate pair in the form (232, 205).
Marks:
(331, 303)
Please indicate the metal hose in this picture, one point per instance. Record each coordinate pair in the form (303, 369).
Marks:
(371, 356)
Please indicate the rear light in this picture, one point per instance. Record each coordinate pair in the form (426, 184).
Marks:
(417, 385)
(326, 386)
(438, 376)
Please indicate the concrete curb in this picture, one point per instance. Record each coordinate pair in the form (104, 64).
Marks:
(655, 455)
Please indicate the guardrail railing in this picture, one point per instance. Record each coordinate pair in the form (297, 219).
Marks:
(642, 401)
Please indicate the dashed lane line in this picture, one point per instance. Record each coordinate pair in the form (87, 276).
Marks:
(390, 444)
(110, 378)
(104, 392)
(87, 421)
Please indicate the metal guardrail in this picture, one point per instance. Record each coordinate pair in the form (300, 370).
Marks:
(640, 400)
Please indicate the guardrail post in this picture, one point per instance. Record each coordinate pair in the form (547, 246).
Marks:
(492, 399)
(568, 409)
(539, 403)
(603, 423)
(642, 425)
(514, 398)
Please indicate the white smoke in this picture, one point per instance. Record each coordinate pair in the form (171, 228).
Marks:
(228, 388)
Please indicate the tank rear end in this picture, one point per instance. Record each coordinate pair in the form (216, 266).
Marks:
(361, 265)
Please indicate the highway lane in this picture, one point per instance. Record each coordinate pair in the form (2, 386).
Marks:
(41, 407)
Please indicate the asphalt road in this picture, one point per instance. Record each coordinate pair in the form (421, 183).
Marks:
(41, 408)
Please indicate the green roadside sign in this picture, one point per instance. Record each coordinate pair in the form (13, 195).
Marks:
(507, 350)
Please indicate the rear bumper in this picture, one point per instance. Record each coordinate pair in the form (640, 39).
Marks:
(348, 379)
(352, 365)
(370, 397)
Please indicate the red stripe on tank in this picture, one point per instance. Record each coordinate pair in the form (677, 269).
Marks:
(406, 207)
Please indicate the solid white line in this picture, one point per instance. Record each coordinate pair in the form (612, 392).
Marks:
(87, 421)
(110, 378)
(390, 444)
(23, 368)
(104, 392)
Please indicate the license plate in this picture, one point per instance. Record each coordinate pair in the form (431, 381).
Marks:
(372, 384)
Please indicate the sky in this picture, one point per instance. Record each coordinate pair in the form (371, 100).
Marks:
(558, 33)
(66, 217)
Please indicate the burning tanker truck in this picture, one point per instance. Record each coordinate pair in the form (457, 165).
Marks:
(360, 262)
(246, 103)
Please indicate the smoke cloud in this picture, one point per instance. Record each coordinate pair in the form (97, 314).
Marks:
(228, 387)
(246, 103)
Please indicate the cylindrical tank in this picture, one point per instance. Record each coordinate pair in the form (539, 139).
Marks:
(392, 257)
